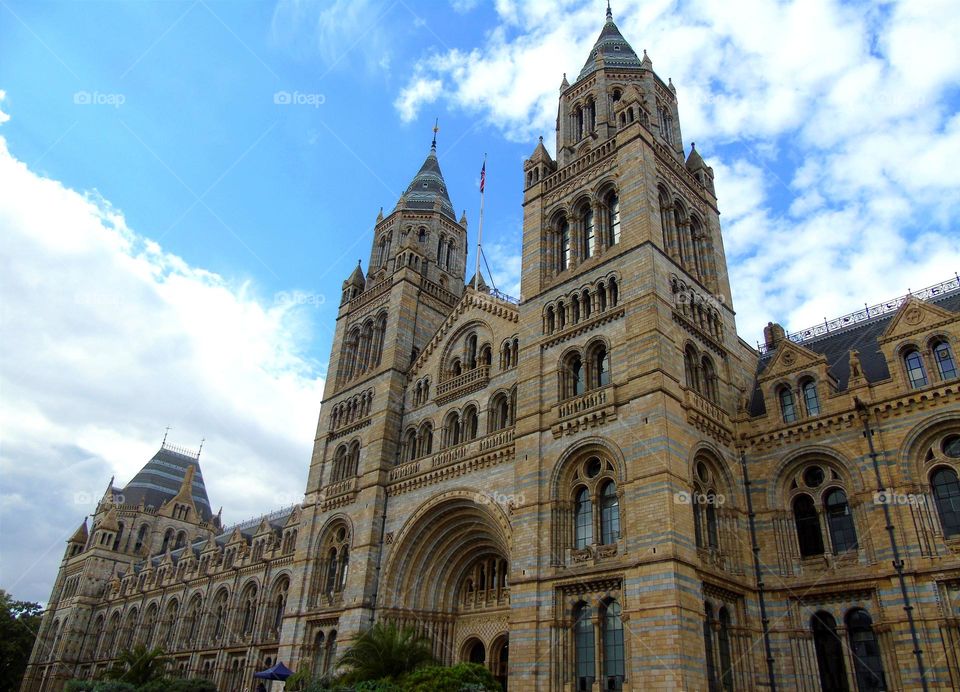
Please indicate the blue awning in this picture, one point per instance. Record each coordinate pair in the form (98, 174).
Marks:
(277, 671)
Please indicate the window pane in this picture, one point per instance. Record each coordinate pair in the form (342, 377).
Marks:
(808, 526)
(945, 363)
(613, 218)
(584, 647)
(726, 661)
(915, 370)
(810, 399)
(712, 538)
(609, 515)
(946, 493)
(843, 535)
(583, 519)
(588, 233)
(867, 664)
(712, 681)
(787, 406)
(826, 643)
(613, 663)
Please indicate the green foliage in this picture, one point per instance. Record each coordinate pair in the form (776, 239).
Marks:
(377, 686)
(385, 652)
(19, 623)
(79, 686)
(462, 677)
(138, 666)
(177, 685)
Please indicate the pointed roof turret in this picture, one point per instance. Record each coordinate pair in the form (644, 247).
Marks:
(356, 278)
(612, 48)
(428, 188)
(80, 535)
(564, 84)
(540, 153)
(161, 479)
(694, 161)
(480, 283)
(646, 63)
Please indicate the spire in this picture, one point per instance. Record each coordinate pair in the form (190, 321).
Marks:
(611, 50)
(436, 129)
(80, 535)
(646, 63)
(564, 84)
(356, 277)
(694, 161)
(428, 187)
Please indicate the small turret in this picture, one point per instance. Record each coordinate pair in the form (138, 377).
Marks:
(354, 284)
(78, 541)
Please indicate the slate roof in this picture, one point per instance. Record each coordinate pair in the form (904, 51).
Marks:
(428, 186)
(836, 346)
(616, 51)
(160, 479)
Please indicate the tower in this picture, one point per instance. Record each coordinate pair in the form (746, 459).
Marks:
(414, 280)
(628, 350)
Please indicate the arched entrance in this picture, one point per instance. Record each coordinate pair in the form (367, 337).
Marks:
(447, 576)
(500, 659)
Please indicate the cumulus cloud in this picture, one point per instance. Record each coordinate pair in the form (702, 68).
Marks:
(4, 117)
(106, 338)
(831, 126)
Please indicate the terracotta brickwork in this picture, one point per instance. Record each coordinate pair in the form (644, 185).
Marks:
(599, 487)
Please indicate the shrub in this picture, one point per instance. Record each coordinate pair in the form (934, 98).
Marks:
(459, 678)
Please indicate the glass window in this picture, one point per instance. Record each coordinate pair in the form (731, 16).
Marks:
(810, 398)
(575, 374)
(946, 494)
(712, 538)
(916, 373)
(788, 406)
(613, 658)
(584, 647)
(946, 366)
(588, 232)
(601, 364)
(613, 218)
(564, 258)
(867, 664)
(583, 519)
(609, 514)
(843, 535)
(726, 660)
(708, 647)
(808, 526)
(826, 643)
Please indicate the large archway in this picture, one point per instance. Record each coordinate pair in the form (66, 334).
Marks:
(447, 576)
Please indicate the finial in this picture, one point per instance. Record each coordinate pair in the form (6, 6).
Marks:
(436, 129)
(609, 12)
(202, 440)
(541, 139)
(693, 145)
(166, 430)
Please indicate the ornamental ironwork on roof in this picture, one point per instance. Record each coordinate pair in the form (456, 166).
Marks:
(611, 44)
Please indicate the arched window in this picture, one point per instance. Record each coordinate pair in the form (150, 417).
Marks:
(583, 519)
(609, 514)
(691, 369)
(330, 583)
(168, 536)
(946, 495)
(455, 367)
(181, 540)
(339, 464)
(563, 257)
(613, 654)
(713, 538)
(586, 219)
(141, 537)
(410, 445)
(788, 407)
(723, 643)
(810, 399)
(829, 650)
(843, 535)
(452, 429)
(943, 357)
(585, 302)
(867, 664)
(422, 235)
(500, 412)
(425, 439)
(572, 376)
(916, 373)
(584, 651)
(613, 218)
(551, 320)
(711, 387)
(470, 424)
(600, 366)
(471, 355)
(708, 646)
(808, 526)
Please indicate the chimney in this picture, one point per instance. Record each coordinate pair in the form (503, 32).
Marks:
(773, 334)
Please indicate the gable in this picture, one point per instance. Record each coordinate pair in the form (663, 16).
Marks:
(914, 317)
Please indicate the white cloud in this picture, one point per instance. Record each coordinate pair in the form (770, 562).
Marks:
(419, 93)
(105, 339)
(4, 117)
(832, 128)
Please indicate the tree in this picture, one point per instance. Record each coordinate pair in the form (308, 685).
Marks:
(138, 665)
(19, 624)
(385, 652)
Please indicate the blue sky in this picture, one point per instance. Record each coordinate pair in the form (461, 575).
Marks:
(175, 239)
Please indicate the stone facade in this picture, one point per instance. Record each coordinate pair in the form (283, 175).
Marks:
(599, 487)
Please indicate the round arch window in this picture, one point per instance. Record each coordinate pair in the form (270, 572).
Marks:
(813, 477)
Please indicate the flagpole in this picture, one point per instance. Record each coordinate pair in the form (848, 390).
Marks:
(483, 172)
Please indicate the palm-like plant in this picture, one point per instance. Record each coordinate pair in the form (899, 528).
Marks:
(138, 665)
(386, 651)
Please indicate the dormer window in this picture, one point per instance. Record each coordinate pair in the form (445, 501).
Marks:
(788, 405)
(811, 400)
(943, 357)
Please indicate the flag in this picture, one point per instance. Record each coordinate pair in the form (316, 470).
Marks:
(483, 176)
